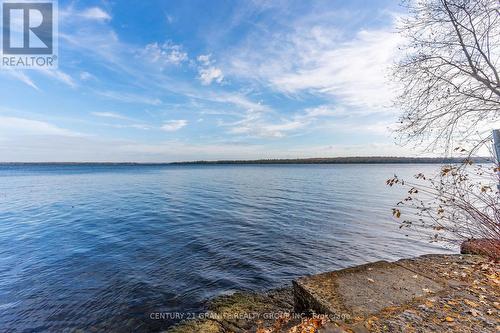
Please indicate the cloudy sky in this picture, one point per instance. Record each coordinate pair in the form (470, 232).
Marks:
(187, 80)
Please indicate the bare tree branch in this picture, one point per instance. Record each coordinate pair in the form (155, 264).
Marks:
(449, 73)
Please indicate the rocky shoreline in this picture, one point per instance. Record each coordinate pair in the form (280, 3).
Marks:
(455, 293)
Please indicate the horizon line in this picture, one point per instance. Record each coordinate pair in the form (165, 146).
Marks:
(307, 160)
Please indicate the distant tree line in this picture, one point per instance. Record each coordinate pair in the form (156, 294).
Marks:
(345, 160)
(316, 160)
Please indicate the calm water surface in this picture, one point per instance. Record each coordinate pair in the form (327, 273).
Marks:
(98, 248)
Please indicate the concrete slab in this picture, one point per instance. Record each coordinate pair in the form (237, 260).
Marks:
(363, 290)
(468, 303)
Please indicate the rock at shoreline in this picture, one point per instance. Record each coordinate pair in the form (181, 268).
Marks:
(362, 290)
(483, 246)
(431, 293)
(240, 312)
(197, 326)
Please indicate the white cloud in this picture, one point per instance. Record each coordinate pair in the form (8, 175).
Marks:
(85, 76)
(355, 72)
(139, 67)
(163, 54)
(204, 59)
(173, 125)
(134, 126)
(210, 74)
(129, 98)
(324, 111)
(109, 115)
(326, 118)
(258, 124)
(240, 101)
(21, 76)
(140, 126)
(95, 13)
(207, 71)
(56, 74)
(71, 14)
(20, 126)
(262, 124)
(102, 44)
(317, 59)
(114, 115)
(264, 130)
(381, 128)
(59, 76)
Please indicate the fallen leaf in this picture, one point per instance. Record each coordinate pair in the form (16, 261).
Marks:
(471, 303)
(449, 319)
(474, 312)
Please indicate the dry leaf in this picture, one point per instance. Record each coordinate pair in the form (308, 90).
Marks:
(471, 303)
(429, 304)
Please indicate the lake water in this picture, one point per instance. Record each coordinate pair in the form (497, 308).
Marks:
(99, 248)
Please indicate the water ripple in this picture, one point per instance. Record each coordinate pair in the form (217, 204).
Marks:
(98, 248)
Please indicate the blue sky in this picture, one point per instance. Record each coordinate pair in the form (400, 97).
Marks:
(159, 81)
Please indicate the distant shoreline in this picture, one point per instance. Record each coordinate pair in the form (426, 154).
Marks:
(332, 160)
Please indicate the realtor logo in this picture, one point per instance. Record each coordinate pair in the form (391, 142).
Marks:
(28, 30)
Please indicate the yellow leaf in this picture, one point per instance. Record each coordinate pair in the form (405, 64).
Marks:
(471, 303)
(474, 313)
